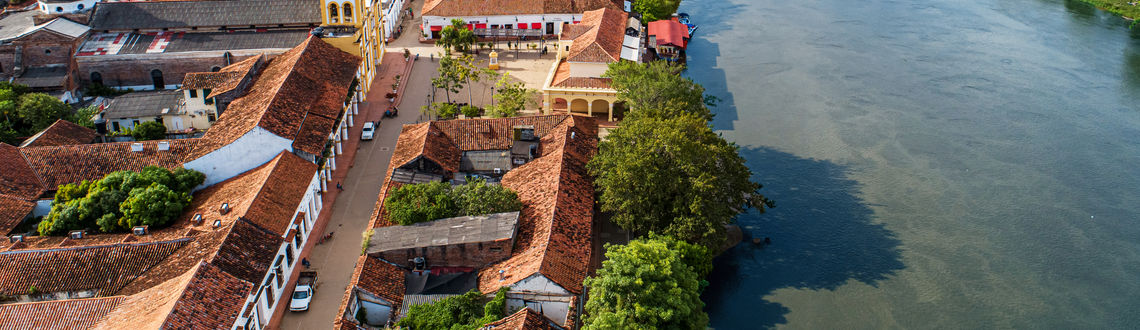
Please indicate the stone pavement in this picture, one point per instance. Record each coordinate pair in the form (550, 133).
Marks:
(360, 170)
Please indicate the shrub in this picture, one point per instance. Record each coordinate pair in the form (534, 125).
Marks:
(471, 111)
(461, 312)
(478, 198)
(416, 203)
(151, 130)
(121, 200)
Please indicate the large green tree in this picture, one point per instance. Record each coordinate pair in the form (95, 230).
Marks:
(652, 10)
(151, 130)
(416, 203)
(645, 284)
(462, 312)
(456, 36)
(478, 198)
(511, 97)
(657, 89)
(41, 110)
(450, 75)
(673, 176)
(120, 200)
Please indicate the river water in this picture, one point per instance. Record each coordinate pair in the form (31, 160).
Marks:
(936, 164)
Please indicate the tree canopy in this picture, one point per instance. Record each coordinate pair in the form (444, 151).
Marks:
(462, 312)
(646, 284)
(673, 176)
(151, 130)
(121, 200)
(417, 203)
(652, 10)
(511, 97)
(456, 36)
(657, 89)
(22, 114)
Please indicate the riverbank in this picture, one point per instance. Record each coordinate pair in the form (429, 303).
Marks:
(1130, 9)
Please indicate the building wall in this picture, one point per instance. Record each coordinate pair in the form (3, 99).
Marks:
(247, 152)
(514, 20)
(66, 7)
(134, 71)
(42, 48)
(475, 255)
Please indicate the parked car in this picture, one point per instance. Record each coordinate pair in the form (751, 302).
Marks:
(303, 293)
(368, 131)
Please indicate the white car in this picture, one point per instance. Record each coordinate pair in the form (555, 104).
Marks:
(366, 133)
(302, 296)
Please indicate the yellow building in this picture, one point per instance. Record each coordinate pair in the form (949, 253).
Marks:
(585, 50)
(356, 27)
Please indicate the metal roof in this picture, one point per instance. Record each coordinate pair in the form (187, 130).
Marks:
(449, 231)
(144, 104)
(178, 14)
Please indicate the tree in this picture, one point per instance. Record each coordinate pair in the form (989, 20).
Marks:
(658, 90)
(644, 285)
(151, 130)
(470, 111)
(652, 10)
(155, 205)
(512, 97)
(462, 312)
(40, 110)
(120, 200)
(456, 36)
(417, 203)
(479, 198)
(673, 176)
(450, 75)
(83, 116)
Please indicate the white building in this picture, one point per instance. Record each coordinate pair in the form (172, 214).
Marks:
(545, 15)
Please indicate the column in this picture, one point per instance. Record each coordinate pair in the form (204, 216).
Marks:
(324, 186)
(339, 149)
(332, 162)
(611, 111)
(589, 109)
(350, 120)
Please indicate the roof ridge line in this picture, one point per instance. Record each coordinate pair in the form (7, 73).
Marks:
(276, 89)
(85, 247)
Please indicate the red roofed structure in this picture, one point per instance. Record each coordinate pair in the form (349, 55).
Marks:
(669, 38)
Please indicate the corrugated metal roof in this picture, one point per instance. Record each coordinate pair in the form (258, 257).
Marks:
(143, 104)
(176, 14)
(449, 231)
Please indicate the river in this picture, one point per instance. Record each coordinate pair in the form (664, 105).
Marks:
(936, 164)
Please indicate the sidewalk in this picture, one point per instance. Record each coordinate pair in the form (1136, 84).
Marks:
(347, 212)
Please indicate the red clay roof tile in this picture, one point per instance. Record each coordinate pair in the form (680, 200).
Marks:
(58, 314)
(602, 42)
(524, 319)
(104, 269)
(61, 133)
(74, 163)
(13, 211)
(17, 178)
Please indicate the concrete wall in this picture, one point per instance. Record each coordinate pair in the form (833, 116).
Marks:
(134, 71)
(475, 255)
(253, 149)
(66, 7)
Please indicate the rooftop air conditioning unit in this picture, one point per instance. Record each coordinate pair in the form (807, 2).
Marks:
(163, 145)
(140, 230)
(136, 147)
(197, 220)
(76, 234)
(224, 209)
(15, 238)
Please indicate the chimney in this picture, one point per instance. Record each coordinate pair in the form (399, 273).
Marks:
(197, 220)
(76, 234)
(224, 209)
(136, 147)
(140, 230)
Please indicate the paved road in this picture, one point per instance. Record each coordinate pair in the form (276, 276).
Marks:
(335, 260)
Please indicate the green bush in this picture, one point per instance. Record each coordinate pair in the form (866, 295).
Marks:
(121, 200)
(471, 111)
(417, 203)
(462, 312)
(151, 130)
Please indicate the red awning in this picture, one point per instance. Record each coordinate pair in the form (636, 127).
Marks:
(437, 27)
(481, 26)
(536, 26)
(522, 25)
(470, 26)
(576, 22)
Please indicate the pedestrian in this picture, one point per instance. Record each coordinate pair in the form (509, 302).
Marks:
(305, 262)
(338, 187)
(432, 57)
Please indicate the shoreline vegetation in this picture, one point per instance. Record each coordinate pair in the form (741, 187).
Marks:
(1129, 9)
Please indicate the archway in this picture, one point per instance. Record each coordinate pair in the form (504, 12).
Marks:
(156, 77)
(559, 104)
(348, 15)
(579, 105)
(334, 13)
(601, 108)
(620, 109)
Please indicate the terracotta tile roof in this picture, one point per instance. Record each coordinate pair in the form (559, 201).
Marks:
(17, 179)
(225, 80)
(669, 32)
(311, 79)
(275, 203)
(558, 202)
(375, 277)
(571, 31)
(562, 78)
(524, 319)
(203, 297)
(13, 211)
(58, 314)
(61, 133)
(602, 42)
(247, 251)
(452, 8)
(104, 269)
(425, 140)
(314, 142)
(71, 164)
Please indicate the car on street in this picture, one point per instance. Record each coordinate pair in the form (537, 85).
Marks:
(303, 292)
(368, 131)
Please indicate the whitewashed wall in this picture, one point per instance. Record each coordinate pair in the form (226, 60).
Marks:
(256, 147)
(557, 19)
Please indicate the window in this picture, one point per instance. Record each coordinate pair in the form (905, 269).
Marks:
(210, 117)
(158, 120)
(80, 6)
(334, 13)
(156, 78)
(96, 78)
(115, 125)
(206, 92)
(215, 69)
(193, 93)
(348, 12)
(209, 101)
(289, 254)
(47, 51)
(59, 9)
(297, 238)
